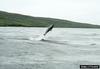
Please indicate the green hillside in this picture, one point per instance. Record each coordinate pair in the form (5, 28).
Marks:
(12, 19)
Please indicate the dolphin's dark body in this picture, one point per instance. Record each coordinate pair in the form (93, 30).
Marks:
(49, 29)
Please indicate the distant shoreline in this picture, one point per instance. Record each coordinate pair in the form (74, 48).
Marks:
(17, 20)
(45, 27)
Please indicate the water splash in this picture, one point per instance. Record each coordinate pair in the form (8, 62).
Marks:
(41, 37)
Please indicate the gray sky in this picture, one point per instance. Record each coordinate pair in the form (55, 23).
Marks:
(86, 11)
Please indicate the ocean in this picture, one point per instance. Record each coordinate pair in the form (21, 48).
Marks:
(62, 48)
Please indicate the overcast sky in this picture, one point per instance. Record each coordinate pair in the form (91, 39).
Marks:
(85, 11)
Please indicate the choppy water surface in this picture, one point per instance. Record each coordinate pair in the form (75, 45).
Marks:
(63, 48)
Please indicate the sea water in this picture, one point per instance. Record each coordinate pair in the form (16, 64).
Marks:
(62, 48)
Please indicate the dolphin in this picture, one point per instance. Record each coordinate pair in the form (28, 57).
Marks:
(49, 29)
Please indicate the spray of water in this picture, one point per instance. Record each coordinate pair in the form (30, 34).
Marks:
(39, 38)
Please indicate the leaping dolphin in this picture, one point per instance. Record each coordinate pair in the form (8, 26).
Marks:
(49, 29)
